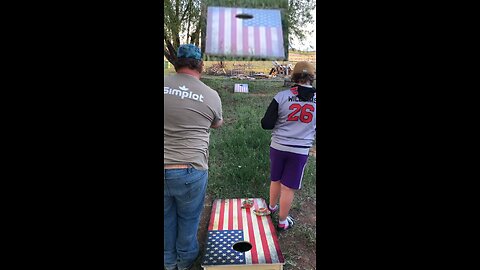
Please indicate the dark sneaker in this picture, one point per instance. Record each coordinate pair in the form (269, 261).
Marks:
(282, 227)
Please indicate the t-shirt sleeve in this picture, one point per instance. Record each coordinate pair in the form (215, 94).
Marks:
(217, 109)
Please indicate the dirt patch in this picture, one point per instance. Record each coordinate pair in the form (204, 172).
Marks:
(313, 151)
(298, 244)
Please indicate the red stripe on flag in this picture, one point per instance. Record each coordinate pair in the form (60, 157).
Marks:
(269, 41)
(212, 215)
(263, 237)
(230, 215)
(251, 235)
(239, 215)
(234, 31)
(209, 31)
(275, 240)
(222, 210)
(280, 41)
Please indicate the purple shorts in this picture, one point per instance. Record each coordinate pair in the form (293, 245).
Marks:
(287, 168)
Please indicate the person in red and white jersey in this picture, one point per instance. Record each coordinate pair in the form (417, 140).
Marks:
(292, 118)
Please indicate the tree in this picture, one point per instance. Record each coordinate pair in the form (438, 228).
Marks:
(181, 17)
(185, 20)
(299, 14)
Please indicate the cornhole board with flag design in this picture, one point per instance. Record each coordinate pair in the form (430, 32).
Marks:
(240, 88)
(258, 37)
(229, 224)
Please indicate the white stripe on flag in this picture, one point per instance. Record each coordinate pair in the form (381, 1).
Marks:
(280, 42)
(258, 239)
(239, 34)
(263, 41)
(275, 49)
(227, 31)
(217, 215)
(251, 41)
(246, 237)
(235, 214)
(215, 29)
(209, 32)
(225, 215)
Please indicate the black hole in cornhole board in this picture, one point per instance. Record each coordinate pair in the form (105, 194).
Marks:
(242, 246)
(244, 16)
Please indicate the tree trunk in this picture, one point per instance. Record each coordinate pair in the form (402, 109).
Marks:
(195, 36)
(170, 53)
(188, 28)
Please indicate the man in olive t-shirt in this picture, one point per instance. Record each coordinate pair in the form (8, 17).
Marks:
(191, 108)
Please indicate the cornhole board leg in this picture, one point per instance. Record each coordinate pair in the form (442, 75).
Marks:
(231, 224)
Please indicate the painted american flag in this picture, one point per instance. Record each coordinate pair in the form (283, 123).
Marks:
(240, 88)
(219, 248)
(230, 223)
(260, 36)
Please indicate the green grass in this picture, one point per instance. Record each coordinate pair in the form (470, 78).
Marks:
(239, 160)
(239, 150)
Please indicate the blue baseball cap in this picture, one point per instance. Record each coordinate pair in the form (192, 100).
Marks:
(189, 51)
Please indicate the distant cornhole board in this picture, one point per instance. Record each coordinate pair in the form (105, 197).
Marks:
(244, 32)
(240, 88)
(238, 238)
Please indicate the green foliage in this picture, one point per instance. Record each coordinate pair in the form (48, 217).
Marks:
(299, 14)
(181, 16)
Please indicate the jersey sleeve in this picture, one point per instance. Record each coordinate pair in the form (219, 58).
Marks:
(271, 115)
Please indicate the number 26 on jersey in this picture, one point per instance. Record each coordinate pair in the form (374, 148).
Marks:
(302, 113)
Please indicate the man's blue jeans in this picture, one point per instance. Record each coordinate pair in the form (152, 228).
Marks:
(183, 196)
